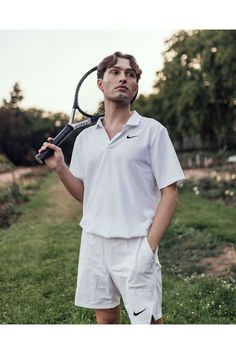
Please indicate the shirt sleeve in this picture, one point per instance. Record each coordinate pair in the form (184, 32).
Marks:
(76, 160)
(165, 163)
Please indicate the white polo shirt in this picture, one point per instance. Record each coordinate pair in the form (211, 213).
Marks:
(123, 176)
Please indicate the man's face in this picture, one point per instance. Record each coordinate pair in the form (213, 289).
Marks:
(119, 82)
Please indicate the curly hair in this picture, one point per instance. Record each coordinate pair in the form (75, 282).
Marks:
(111, 60)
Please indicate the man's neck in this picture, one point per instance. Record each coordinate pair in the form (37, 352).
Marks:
(116, 114)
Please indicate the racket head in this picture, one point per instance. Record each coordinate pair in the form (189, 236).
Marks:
(89, 98)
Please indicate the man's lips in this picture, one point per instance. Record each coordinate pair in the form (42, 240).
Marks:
(122, 88)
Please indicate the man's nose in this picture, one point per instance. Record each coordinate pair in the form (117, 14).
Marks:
(122, 77)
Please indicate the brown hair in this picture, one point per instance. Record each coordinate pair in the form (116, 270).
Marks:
(111, 60)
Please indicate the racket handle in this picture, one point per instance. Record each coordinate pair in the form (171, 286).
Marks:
(64, 133)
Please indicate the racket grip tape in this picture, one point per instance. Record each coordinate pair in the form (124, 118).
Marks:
(64, 133)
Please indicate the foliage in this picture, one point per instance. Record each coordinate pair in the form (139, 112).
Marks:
(23, 131)
(194, 93)
(15, 97)
(5, 164)
(15, 194)
(215, 186)
(9, 199)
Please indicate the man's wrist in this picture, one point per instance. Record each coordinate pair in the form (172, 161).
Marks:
(60, 168)
(154, 243)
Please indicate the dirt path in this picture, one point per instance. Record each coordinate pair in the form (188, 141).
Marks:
(220, 265)
(8, 177)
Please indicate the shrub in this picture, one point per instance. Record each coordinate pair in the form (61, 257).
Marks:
(215, 186)
(5, 164)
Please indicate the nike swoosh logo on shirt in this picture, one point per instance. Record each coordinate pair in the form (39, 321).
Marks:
(131, 136)
(138, 313)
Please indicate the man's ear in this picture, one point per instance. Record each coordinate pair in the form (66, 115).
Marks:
(100, 84)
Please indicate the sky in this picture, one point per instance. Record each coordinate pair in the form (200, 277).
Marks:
(49, 63)
(47, 48)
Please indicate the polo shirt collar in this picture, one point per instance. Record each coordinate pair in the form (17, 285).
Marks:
(134, 120)
(99, 123)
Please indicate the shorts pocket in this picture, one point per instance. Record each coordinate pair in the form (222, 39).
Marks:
(147, 248)
(150, 253)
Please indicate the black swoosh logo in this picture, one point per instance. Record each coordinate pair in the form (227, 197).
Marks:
(132, 136)
(138, 313)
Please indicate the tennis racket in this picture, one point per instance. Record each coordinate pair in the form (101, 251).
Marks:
(86, 110)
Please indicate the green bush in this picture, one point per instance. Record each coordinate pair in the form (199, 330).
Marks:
(9, 198)
(16, 193)
(8, 214)
(5, 164)
(215, 186)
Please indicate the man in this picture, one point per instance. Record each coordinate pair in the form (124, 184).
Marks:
(124, 170)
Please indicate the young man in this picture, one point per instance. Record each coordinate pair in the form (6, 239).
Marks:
(124, 170)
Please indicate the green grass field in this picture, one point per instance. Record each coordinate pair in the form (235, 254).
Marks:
(39, 256)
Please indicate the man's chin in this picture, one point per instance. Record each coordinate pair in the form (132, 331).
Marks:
(122, 98)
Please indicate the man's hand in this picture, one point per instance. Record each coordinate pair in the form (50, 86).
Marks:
(55, 161)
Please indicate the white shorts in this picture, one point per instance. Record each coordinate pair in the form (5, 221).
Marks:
(111, 268)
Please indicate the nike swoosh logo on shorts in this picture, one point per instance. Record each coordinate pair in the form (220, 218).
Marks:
(132, 136)
(138, 313)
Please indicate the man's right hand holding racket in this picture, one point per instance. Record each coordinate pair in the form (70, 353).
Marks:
(56, 160)
(57, 163)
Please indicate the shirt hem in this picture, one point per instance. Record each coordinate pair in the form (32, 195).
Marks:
(127, 236)
(172, 180)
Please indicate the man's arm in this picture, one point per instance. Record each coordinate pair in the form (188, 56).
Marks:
(56, 163)
(74, 185)
(164, 214)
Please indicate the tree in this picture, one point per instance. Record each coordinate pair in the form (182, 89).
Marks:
(15, 97)
(23, 131)
(196, 86)
(14, 137)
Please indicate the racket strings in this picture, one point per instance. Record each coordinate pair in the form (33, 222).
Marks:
(90, 98)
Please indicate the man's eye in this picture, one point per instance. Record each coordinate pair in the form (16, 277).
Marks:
(132, 74)
(114, 72)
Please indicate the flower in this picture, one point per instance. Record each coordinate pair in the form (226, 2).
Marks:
(214, 173)
(196, 190)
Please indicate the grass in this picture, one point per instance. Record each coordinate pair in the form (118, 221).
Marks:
(201, 228)
(38, 260)
(39, 256)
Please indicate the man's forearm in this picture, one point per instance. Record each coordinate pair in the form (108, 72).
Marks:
(74, 185)
(164, 214)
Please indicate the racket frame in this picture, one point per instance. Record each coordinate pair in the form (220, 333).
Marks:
(71, 126)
